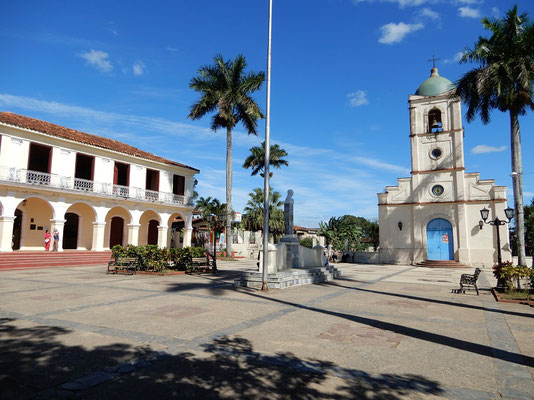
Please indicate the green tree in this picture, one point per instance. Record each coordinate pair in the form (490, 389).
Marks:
(253, 212)
(503, 81)
(256, 159)
(226, 91)
(339, 229)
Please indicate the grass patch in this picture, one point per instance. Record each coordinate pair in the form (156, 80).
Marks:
(226, 259)
(517, 294)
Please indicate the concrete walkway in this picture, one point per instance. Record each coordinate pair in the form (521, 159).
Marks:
(381, 332)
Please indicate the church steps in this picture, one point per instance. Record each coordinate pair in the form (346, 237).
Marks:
(441, 264)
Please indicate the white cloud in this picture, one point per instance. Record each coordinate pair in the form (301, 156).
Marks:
(482, 148)
(374, 163)
(455, 58)
(470, 1)
(98, 59)
(172, 49)
(138, 68)
(428, 13)
(104, 118)
(495, 11)
(358, 98)
(394, 33)
(401, 3)
(468, 12)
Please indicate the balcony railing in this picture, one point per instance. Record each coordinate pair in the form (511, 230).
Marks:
(43, 179)
(83, 184)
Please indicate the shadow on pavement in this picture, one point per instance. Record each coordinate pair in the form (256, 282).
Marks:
(36, 363)
(427, 299)
(415, 333)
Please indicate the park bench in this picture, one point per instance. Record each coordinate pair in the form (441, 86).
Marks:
(124, 264)
(469, 280)
(201, 264)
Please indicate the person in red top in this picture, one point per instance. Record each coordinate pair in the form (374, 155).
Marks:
(47, 237)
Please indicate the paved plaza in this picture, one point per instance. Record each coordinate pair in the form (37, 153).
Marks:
(379, 332)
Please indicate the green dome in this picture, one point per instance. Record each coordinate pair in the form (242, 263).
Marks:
(435, 85)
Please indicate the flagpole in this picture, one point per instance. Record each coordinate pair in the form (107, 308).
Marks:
(267, 157)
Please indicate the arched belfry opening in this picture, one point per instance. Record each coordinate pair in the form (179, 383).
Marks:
(434, 121)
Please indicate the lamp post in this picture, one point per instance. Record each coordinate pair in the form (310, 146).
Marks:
(484, 213)
(215, 222)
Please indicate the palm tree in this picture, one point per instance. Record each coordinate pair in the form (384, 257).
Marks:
(256, 159)
(253, 212)
(503, 81)
(226, 91)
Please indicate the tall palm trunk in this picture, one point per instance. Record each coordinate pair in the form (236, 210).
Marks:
(517, 180)
(228, 192)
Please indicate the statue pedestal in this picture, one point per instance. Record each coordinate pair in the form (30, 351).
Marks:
(292, 254)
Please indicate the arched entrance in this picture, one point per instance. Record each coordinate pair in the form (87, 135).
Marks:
(116, 231)
(439, 240)
(70, 231)
(152, 232)
(17, 225)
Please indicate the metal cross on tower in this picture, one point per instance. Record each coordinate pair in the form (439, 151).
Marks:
(434, 59)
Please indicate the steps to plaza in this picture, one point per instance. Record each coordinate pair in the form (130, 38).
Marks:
(441, 264)
(288, 278)
(40, 259)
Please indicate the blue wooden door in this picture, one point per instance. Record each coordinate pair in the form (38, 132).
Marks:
(439, 240)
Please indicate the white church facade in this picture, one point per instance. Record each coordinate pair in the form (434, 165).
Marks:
(434, 214)
(96, 192)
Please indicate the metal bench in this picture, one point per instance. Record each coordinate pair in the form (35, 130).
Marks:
(124, 264)
(469, 280)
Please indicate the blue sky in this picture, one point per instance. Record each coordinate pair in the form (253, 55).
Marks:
(342, 73)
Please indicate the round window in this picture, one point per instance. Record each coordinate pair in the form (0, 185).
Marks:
(437, 190)
(436, 153)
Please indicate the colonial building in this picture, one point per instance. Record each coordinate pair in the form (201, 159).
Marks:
(97, 192)
(435, 213)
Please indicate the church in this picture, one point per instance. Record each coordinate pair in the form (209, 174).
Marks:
(434, 215)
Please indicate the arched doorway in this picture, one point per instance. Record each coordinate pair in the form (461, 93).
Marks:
(70, 231)
(116, 231)
(439, 240)
(17, 225)
(152, 232)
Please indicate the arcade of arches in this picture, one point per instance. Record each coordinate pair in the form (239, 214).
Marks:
(82, 226)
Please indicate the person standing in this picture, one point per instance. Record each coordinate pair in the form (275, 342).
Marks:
(55, 235)
(47, 237)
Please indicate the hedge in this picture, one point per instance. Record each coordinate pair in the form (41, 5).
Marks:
(154, 258)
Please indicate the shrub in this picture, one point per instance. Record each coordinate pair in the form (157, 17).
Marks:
(306, 242)
(509, 275)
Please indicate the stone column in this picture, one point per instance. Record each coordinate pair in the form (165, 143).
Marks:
(133, 234)
(187, 237)
(57, 224)
(98, 236)
(163, 234)
(80, 235)
(6, 233)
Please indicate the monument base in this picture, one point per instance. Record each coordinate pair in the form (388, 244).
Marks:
(289, 277)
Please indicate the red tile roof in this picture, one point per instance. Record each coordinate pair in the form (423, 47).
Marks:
(48, 128)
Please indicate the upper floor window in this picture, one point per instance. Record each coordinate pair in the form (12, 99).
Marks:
(121, 174)
(40, 158)
(84, 167)
(152, 180)
(178, 185)
(434, 121)
(83, 172)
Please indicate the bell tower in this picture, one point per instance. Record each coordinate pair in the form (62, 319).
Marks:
(436, 139)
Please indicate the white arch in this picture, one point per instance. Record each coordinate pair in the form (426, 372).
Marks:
(47, 201)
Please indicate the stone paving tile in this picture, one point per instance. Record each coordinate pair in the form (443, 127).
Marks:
(401, 334)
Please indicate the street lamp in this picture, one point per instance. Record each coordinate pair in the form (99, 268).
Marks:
(484, 213)
(215, 222)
